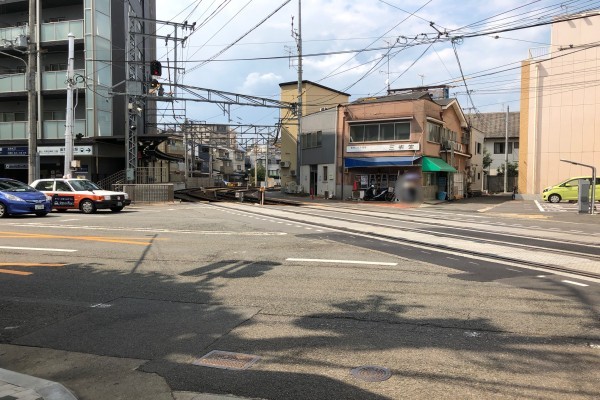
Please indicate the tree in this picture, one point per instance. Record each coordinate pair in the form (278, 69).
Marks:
(513, 169)
(260, 174)
(487, 159)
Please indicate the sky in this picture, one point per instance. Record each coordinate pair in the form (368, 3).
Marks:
(409, 38)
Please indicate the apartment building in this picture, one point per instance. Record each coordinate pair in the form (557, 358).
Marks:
(560, 115)
(101, 31)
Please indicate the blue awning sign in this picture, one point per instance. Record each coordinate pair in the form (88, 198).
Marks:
(359, 162)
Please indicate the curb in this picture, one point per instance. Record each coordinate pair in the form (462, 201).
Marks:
(47, 389)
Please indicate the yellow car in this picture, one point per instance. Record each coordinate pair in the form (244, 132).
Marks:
(568, 190)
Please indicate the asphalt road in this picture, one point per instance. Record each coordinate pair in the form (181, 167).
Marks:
(124, 306)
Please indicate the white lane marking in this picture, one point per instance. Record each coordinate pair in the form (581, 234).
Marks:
(574, 283)
(306, 227)
(426, 252)
(37, 249)
(150, 230)
(340, 261)
(539, 206)
(70, 219)
(472, 262)
(541, 276)
(452, 258)
(510, 269)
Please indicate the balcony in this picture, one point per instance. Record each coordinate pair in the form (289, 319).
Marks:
(56, 129)
(56, 80)
(11, 33)
(55, 31)
(13, 130)
(12, 83)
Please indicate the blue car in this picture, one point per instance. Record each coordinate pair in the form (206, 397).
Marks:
(19, 198)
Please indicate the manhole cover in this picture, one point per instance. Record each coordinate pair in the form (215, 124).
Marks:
(227, 360)
(371, 373)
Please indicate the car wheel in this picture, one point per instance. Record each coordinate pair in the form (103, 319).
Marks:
(554, 198)
(116, 209)
(3, 211)
(87, 207)
(41, 214)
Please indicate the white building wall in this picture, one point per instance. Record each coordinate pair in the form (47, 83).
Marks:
(564, 113)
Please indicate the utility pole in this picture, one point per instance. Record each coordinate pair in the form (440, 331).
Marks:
(299, 135)
(31, 95)
(506, 153)
(69, 121)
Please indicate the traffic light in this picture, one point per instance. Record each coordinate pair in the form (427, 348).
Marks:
(155, 68)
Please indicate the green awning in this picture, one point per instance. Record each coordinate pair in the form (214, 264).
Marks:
(429, 164)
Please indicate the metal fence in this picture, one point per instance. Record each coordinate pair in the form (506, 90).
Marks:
(495, 184)
(148, 193)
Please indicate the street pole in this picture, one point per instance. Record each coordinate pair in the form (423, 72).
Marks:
(69, 121)
(299, 112)
(593, 195)
(506, 154)
(31, 95)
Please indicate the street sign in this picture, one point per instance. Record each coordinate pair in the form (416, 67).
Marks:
(13, 151)
(15, 166)
(60, 150)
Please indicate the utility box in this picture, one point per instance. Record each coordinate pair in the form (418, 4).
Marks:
(583, 198)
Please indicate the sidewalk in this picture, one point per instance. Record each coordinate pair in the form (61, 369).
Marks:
(16, 386)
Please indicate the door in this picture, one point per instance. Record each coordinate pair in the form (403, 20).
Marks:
(313, 180)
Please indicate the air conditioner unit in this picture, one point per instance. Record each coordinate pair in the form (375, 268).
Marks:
(292, 172)
(284, 164)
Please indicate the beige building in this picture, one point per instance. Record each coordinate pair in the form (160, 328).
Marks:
(560, 114)
(314, 98)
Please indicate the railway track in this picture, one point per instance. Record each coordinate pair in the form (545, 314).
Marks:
(543, 245)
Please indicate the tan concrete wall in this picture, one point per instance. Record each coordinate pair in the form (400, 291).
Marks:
(313, 99)
(561, 107)
(524, 126)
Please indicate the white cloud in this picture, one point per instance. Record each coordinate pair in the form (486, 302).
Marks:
(255, 82)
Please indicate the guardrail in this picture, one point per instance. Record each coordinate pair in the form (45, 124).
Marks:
(147, 193)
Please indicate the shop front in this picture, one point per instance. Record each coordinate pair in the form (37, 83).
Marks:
(380, 172)
(437, 178)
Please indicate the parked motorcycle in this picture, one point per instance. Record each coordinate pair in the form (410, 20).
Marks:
(372, 194)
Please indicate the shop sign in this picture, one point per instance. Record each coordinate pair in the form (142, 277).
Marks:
(383, 147)
(60, 150)
(13, 151)
(15, 166)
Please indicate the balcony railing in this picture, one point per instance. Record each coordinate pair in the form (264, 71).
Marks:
(13, 130)
(56, 129)
(56, 80)
(12, 83)
(54, 31)
(539, 52)
(11, 33)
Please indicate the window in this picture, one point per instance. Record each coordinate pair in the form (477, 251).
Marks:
(478, 148)
(387, 131)
(12, 117)
(55, 67)
(324, 173)
(55, 115)
(428, 179)
(498, 147)
(434, 132)
(516, 145)
(54, 19)
(239, 167)
(312, 140)
(63, 187)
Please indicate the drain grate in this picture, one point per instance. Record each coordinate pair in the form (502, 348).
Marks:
(227, 360)
(371, 373)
